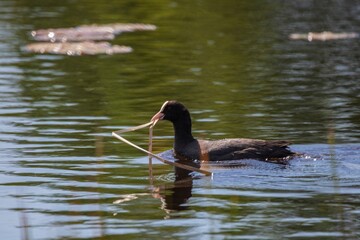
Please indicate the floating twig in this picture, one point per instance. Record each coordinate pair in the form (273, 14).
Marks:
(323, 36)
(77, 48)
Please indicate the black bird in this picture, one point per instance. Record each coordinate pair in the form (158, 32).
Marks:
(189, 148)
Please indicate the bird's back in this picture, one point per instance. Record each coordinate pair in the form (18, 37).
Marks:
(235, 149)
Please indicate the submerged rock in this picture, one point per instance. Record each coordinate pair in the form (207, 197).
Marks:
(92, 32)
(322, 36)
(77, 48)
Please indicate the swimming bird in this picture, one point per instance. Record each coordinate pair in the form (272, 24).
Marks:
(189, 148)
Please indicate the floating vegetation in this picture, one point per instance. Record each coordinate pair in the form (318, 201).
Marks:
(80, 40)
(323, 36)
(77, 48)
(92, 32)
(72, 34)
(122, 27)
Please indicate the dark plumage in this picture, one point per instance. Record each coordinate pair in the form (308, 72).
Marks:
(186, 146)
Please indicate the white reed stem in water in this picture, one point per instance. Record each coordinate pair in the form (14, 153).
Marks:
(150, 150)
(152, 124)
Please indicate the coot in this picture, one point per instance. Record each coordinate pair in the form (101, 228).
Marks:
(187, 147)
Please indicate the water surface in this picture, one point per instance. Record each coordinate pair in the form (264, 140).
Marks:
(62, 175)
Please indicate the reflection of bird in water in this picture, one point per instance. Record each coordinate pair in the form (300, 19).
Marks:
(176, 194)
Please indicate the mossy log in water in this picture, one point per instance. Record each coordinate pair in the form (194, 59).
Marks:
(78, 48)
(323, 36)
(88, 32)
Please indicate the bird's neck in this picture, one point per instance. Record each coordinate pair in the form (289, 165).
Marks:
(183, 135)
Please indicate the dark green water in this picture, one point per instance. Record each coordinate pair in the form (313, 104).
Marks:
(62, 175)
